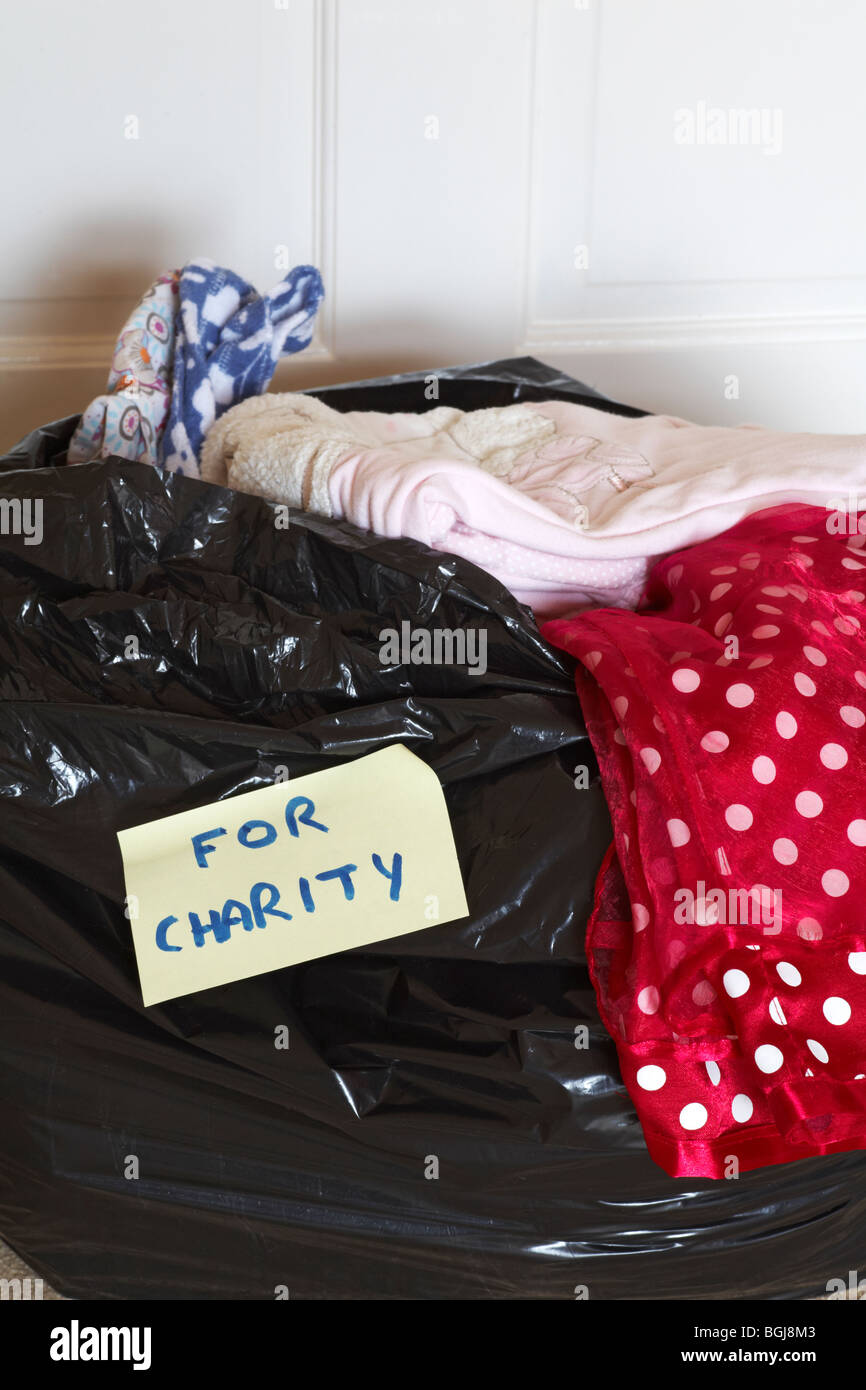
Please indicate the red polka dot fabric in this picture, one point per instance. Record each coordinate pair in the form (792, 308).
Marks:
(728, 942)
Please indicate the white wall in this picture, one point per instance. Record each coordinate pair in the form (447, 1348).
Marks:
(475, 178)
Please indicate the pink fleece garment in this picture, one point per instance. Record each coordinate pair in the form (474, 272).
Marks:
(705, 478)
(508, 528)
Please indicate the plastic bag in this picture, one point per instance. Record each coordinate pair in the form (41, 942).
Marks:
(448, 1121)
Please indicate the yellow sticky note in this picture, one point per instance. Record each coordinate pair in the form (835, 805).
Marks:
(341, 858)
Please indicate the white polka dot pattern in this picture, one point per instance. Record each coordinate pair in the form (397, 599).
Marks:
(736, 987)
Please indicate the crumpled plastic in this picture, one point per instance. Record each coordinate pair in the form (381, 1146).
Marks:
(448, 1121)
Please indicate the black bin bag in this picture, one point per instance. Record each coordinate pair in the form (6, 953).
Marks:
(448, 1121)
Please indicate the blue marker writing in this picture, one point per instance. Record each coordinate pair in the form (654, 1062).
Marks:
(344, 874)
(162, 935)
(262, 910)
(246, 832)
(305, 817)
(395, 874)
(202, 849)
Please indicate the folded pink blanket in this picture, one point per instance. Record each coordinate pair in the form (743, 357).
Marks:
(565, 504)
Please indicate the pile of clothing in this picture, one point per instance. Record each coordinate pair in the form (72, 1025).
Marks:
(663, 874)
(200, 340)
(705, 578)
(733, 698)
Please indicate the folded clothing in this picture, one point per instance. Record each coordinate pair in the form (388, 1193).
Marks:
(199, 341)
(130, 418)
(566, 504)
(728, 942)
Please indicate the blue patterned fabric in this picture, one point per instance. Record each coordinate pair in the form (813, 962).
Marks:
(228, 341)
(129, 419)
